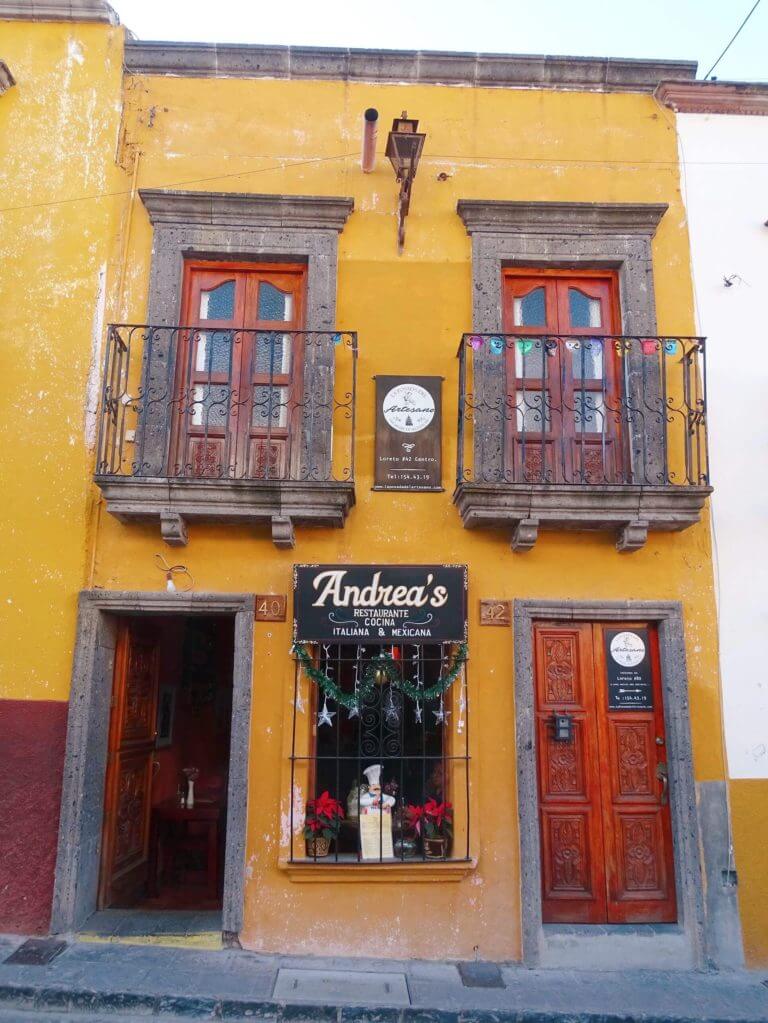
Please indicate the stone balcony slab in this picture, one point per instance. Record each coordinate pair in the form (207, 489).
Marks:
(278, 504)
(630, 511)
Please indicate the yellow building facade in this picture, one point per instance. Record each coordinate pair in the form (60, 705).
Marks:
(133, 161)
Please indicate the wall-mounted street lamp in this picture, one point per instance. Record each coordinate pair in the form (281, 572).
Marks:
(404, 146)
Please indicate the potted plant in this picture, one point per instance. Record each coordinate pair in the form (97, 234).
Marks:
(433, 822)
(321, 824)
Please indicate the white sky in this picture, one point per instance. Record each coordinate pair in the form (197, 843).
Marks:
(670, 29)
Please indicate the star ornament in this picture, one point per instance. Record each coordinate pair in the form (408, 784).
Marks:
(442, 715)
(354, 712)
(325, 717)
(417, 713)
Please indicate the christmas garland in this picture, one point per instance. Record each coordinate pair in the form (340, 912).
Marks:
(382, 664)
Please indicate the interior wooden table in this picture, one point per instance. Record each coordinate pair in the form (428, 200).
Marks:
(168, 820)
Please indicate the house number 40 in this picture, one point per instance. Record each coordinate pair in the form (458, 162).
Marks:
(270, 607)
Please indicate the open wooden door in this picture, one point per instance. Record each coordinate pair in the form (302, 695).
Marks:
(128, 790)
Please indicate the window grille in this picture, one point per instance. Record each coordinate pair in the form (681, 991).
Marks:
(421, 746)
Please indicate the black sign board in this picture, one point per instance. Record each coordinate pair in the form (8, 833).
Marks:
(380, 603)
(628, 667)
(408, 433)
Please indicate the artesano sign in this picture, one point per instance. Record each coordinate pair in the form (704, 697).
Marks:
(408, 433)
(380, 603)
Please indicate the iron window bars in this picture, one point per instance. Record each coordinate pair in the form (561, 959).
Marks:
(423, 747)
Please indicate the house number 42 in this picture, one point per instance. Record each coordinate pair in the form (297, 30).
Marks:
(495, 612)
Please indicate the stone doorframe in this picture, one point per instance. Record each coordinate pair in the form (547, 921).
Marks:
(78, 858)
(689, 940)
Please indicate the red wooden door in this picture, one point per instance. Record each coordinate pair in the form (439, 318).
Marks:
(573, 858)
(606, 836)
(236, 406)
(635, 789)
(563, 377)
(128, 789)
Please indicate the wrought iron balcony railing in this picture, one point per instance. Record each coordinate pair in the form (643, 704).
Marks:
(228, 416)
(582, 410)
(193, 403)
(545, 415)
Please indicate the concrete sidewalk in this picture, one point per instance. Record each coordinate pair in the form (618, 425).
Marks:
(92, 981)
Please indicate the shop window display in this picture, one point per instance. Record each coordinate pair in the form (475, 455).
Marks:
(380, 746)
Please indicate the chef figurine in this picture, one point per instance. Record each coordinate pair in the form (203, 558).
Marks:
(375, 831)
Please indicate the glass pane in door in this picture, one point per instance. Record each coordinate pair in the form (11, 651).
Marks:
(584, 311)
(274, 304)
(218, 303)
(530, 310)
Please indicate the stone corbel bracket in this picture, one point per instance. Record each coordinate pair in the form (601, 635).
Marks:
(279, 506)
(628, 511)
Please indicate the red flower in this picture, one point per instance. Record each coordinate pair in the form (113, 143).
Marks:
(415, 816)
(438, 812)
(325, 806)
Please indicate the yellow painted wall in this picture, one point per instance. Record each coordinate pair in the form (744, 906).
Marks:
(304, 137)
(749, 808)
(58, 135)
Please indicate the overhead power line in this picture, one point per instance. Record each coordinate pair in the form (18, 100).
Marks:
(538, 161)
(733, 39)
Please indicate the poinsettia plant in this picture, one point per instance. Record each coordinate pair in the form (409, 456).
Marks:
(432, 820)
(323, 817)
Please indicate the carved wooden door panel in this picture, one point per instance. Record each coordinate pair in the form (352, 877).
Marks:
(637, 821)
(128, 790)
(573, 860)
(606, 834)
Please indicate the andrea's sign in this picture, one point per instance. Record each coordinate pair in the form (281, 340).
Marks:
(380, 603)
(408, 433)
(628, 663)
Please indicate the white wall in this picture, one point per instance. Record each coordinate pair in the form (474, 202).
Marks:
(725, 181)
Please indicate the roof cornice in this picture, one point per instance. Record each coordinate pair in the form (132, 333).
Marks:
(215, 60)
(58, 10)
(497, 216)
(714, 97)
(325, 212)
(7, 80)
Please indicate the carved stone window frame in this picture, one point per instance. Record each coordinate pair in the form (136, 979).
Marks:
(248, 228)
(244, 226)
(567, 235)
(572, 235)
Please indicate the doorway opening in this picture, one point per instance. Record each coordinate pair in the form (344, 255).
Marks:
(167, 771)
(603, 782)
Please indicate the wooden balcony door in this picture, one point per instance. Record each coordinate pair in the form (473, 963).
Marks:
(606, 833)
(237, 406)
(563, 380)
(130, 755)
